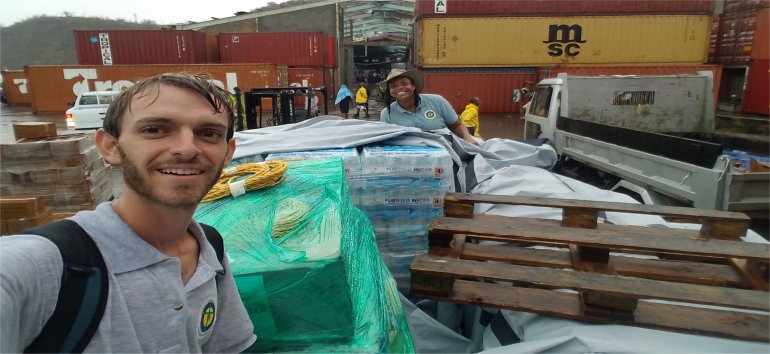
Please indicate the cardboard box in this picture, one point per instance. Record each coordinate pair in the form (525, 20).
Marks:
(19, 208)
(14, 226)
(34, 130)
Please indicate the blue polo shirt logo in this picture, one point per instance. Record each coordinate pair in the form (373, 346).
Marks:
(430, 114)
(207, 316)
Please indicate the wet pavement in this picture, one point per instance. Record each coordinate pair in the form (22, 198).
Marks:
(493, 125)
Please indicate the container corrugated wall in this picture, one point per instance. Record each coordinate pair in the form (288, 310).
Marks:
(289, 48)
(212, 49)
(130, 47)
(743, 5)
(308, 77)
(331, 51)
(51, 87)
(761, 44)
(536, 7)
(756, 97)
(535, 41)
(716, 70)
(15, 88)
(493, 85)
(736, 37)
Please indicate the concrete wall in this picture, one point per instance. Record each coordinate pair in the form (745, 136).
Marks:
(318, 19)
(242, 26)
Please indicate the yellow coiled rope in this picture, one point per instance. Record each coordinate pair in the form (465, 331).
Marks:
(260, 175)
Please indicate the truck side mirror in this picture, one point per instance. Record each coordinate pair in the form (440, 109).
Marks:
(516, 96)
(70, 104)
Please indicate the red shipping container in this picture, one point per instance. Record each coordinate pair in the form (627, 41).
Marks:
(331, 51)
(15, 88)
(212, 49)
(735, 38)
(661, 69)
(51, 87)
(130, 47)
(761, 45)
(456, 8)
(289, 48)
(742, 5)
(756, 97)
(493, 86)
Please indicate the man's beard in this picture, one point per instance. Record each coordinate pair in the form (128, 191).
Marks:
(187, 196)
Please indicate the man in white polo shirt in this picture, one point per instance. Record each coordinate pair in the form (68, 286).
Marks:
(408, 107)
(172, 134)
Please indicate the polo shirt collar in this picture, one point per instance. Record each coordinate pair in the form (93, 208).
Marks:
(123, 250)
(402, 110)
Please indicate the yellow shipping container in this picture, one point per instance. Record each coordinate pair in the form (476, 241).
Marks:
(536, 41)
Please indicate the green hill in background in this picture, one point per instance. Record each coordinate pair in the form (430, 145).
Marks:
(48, 40)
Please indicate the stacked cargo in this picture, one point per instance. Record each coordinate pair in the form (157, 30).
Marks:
(468, 46)
(306, 265)
(740, 43)
(65, 172)
(401, 189)
(17, 214)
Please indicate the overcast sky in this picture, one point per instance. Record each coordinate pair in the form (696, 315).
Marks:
(161, 11)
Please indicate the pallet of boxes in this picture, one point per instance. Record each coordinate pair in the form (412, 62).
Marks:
(45, 176)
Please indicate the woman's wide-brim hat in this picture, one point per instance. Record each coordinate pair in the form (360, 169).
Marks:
(414, 75)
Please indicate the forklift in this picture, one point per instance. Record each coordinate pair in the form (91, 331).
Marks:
(282, 99)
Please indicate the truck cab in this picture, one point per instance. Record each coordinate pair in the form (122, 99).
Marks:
(89, 109)
(641, 133)
(540, 118)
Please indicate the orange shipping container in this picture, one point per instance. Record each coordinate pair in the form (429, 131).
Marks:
(51, 87)
(660, 69)
(308, 77)
(15, 88)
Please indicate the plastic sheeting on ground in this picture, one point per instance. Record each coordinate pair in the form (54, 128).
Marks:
(306, 265)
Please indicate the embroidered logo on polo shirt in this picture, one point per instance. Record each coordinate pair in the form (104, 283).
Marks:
(430, 114)
(208, 315)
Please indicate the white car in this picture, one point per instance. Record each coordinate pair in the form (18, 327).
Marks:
(89, 109)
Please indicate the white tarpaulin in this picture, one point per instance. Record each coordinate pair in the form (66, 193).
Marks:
(501, 167)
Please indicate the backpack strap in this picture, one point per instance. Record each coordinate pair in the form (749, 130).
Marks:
(83, 292)
(215, 239)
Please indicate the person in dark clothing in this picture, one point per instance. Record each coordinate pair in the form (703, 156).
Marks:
(344, 97)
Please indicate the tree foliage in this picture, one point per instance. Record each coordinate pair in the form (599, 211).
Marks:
(49, 40)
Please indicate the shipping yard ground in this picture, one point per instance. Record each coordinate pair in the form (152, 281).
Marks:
(493, 125)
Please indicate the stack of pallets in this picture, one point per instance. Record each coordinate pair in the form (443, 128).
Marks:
(606, 269)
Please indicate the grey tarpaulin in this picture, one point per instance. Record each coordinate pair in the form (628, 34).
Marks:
(503, 167)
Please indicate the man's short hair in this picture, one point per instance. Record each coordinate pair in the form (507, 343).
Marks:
(474, 100)
(199, 83)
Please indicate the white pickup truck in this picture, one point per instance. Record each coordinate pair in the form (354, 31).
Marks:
(632, 127)
(89, 109)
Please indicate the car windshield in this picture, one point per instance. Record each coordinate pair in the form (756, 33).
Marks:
(88, 99)
(541, 101)
(106, 98)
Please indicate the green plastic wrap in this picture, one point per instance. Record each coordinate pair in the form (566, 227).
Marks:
(307, 267)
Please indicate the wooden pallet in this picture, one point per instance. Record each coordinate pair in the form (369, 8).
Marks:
(707, 267)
